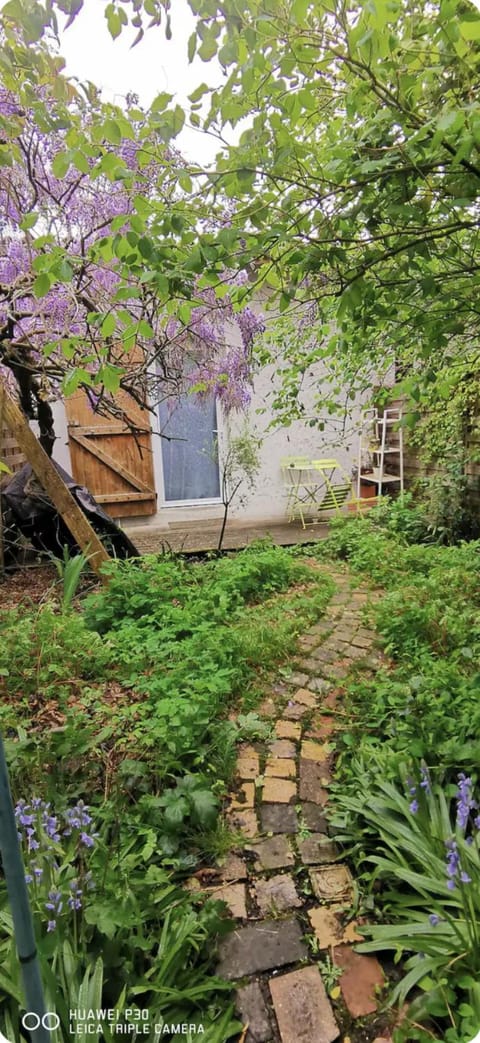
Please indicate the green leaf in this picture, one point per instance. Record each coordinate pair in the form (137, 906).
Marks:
(80, 161)
(29, 222)
(192, 47)
(61, 164)
(112, 132)
(109, 325)
(470, 30)
(42, 284)
(205, 807)
(161, 101)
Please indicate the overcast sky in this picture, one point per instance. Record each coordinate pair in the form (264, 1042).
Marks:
(154, 65)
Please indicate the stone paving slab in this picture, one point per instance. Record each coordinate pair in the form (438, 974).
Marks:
(302, 1007)
(312, 786)
(321, 729)
(320, 685)
(317, 849)
(305, 698)
(326, 921)
(254, 1012)
(233, 868)
(361, 977)
(248, 766)
(314, 818)
(261, 947)
(332, 883)
(281, 768)
(283, 748)
(244, 821)
(235, 897)
(288, 730)
(278, 818)
(279, 791)
(244, 797)
(294, 711)
(297, 679)
(278, 894)
(314, 751)
(273, 853)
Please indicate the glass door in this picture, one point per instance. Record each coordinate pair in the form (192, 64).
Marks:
(189, 449)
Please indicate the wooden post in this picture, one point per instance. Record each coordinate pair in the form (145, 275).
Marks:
(54, 486)
(2, 555)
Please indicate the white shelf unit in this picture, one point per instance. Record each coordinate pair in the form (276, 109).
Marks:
(376, 429)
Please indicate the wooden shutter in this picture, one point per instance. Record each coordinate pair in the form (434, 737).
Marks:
(111, 457)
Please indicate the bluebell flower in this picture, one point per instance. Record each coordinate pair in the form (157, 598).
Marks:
(75, 899)
(51, 925)
(425, 780)
(434, 919)
(413, 807)
(55, 903)
(465, 801)
(455, 872)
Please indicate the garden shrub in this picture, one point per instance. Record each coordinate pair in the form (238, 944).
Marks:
(44, 652)
(417, 719)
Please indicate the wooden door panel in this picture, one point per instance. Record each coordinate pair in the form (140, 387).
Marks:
(113, 458)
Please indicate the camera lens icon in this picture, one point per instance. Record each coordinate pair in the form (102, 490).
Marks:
(50, 1021)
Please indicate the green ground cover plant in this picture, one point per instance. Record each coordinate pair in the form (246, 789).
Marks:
(406, 789)
(118, 712)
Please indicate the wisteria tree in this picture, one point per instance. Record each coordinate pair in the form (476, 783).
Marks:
(109, 276)
(355, 181)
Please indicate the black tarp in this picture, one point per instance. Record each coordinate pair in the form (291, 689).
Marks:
(27, 507)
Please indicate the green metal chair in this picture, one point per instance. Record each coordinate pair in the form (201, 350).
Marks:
(337, 485)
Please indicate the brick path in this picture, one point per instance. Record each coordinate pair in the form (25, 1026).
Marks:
(289, 882)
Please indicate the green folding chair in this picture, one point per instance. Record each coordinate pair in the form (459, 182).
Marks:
(336, 485)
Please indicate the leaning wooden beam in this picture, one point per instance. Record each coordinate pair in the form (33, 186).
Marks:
(53, 484)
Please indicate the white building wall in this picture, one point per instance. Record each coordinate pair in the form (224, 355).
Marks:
(268, 500)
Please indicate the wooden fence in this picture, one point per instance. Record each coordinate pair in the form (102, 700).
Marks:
(10, 452)
(415, 469)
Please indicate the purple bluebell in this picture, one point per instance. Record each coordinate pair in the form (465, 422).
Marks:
(425, 780)
(455, 873)
(75, 899)
(434, 919)
(413, 807)
(465, 801)
(55, 903)
(88, 840)
(32, 842)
